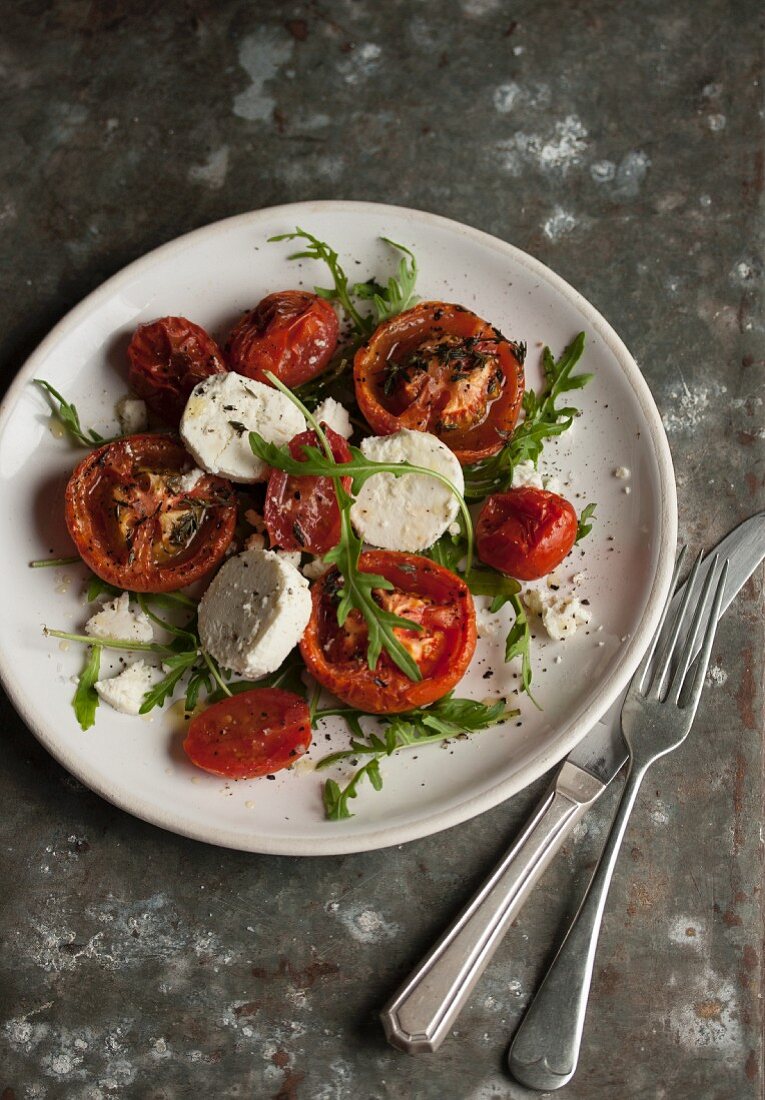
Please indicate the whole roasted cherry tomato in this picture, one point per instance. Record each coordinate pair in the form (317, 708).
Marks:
(136, 521)
(302, 513)
(167, 359)
(291, 333)
(255, 733)
(439, 368)
(525, 532)
(431, 597)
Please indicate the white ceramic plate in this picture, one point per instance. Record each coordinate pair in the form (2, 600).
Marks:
(211, 276)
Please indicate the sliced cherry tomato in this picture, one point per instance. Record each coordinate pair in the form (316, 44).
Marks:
(525, 532)
(427, 594)
(255, 733)
(136, 526)
(291, 333)
(439, 368)
(302, 513)
(168, 358)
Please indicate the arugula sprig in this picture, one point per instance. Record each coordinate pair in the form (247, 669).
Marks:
(357, 587)
(398, 293)
(387, 301)
(69, 418)
(583, 528)
(85, 701)
(544, 418)
(447, 719)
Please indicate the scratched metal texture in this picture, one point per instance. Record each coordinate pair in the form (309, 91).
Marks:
(621, 144)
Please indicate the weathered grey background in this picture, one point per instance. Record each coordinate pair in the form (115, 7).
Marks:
(623, 145)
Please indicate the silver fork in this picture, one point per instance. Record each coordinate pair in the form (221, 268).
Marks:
(657, 716)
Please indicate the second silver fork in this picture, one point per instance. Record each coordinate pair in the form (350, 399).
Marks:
(655, 720)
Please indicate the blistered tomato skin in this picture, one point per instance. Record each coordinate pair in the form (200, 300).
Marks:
(136, 526)
(428, 595)
(302, 513)
(525, 532)
(251, 734)
(439, 368)
(168, 357)
(292, 334)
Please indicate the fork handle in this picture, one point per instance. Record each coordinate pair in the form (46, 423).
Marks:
(421, 1013)
(545, 1050)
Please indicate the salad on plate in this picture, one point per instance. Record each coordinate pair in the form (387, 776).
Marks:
(302, 524)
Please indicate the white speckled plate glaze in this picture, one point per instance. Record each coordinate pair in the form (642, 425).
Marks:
(212, 275)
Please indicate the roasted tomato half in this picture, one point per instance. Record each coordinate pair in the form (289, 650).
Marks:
(134, 522)
(438, 368)
(525, 532)
(302, 513)
(427, 594)
(291, 333)
(255, 733)
(167, 359)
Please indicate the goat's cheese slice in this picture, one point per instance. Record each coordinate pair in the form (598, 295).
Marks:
(220, 413)
(254, 612)
(125, 692)
(335, 416)
(412, 511)
(118, 620)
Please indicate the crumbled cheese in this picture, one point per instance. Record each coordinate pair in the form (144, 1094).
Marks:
(622, 472)
(526, 475)
(126, 691)
(487, 625)
(292, 556)
(190, 479)
(118, 620)
(255, 542)
(335, 416)
(255, 520)
(561, 615)
(132, 414)
(315, 569)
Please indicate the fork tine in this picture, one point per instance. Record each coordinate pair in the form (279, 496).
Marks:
(689, 648)
(709, 637)
(656, 686)
(642, 669)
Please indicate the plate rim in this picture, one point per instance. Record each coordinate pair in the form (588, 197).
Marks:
(494, 795)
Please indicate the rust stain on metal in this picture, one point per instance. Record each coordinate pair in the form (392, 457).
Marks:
(608, 979)
(739, 789)
(752, 1067)
(746, 691)
(298, 28)
(749, 957)
(247, 1009)
(733, 920)
(280, 1058)
(290, 1085)
(708, 1010)
(303, 977)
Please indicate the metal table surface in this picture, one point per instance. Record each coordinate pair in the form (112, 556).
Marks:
(623, 146)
